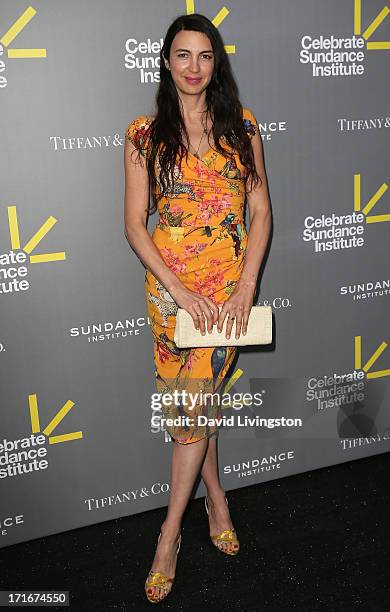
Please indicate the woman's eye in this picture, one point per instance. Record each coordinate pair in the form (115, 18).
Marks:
(207, 57)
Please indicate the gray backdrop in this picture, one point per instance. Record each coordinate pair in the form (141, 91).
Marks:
(76, 345)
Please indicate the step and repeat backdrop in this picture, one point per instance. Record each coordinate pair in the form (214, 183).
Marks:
(80, 437)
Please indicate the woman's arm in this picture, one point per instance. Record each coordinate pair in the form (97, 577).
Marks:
(135, 219)
(241, 299)
(260, 220)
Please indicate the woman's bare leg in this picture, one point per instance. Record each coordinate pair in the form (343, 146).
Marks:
(219, 516)
(186, 462)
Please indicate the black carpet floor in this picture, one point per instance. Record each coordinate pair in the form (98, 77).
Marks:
(318, 541)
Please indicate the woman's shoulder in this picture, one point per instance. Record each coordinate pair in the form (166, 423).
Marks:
(137, 131)
(250, 121)
(139, 123)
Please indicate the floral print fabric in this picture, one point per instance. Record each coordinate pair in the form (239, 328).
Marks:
(202, 238)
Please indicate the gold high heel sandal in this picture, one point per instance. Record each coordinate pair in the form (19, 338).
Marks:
(228, 535)
(160, 580)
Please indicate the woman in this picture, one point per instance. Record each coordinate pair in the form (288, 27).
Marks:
(198, 157)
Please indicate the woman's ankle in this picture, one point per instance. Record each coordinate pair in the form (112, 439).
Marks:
(171, 529)
(215, 494)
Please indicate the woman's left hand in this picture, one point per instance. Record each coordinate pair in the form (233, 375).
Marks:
(237, 306)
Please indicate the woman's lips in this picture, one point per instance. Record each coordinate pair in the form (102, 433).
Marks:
(192, 80)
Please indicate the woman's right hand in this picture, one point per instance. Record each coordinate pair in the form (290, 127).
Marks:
(200, 307)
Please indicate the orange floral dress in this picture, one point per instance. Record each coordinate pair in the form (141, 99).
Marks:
(202, 238)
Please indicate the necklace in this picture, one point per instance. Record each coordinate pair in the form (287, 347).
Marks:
(196, 153)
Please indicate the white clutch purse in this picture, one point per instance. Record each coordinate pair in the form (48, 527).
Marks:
(259, 330)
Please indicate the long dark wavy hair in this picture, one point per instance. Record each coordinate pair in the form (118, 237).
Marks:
(222, 102)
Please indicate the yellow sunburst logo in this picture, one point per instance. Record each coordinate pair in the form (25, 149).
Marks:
(371, 202)
(370, 362)
(369, 31)
(217, 20)
(56, 420)
(35, 240)
(13, 32)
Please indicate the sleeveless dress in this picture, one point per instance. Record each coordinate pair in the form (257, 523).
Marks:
(202, 238)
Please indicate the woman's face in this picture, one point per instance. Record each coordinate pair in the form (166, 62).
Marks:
(191, 61)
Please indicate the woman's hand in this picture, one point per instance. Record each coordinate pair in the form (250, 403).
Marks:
(237, 306)
(200, 307)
